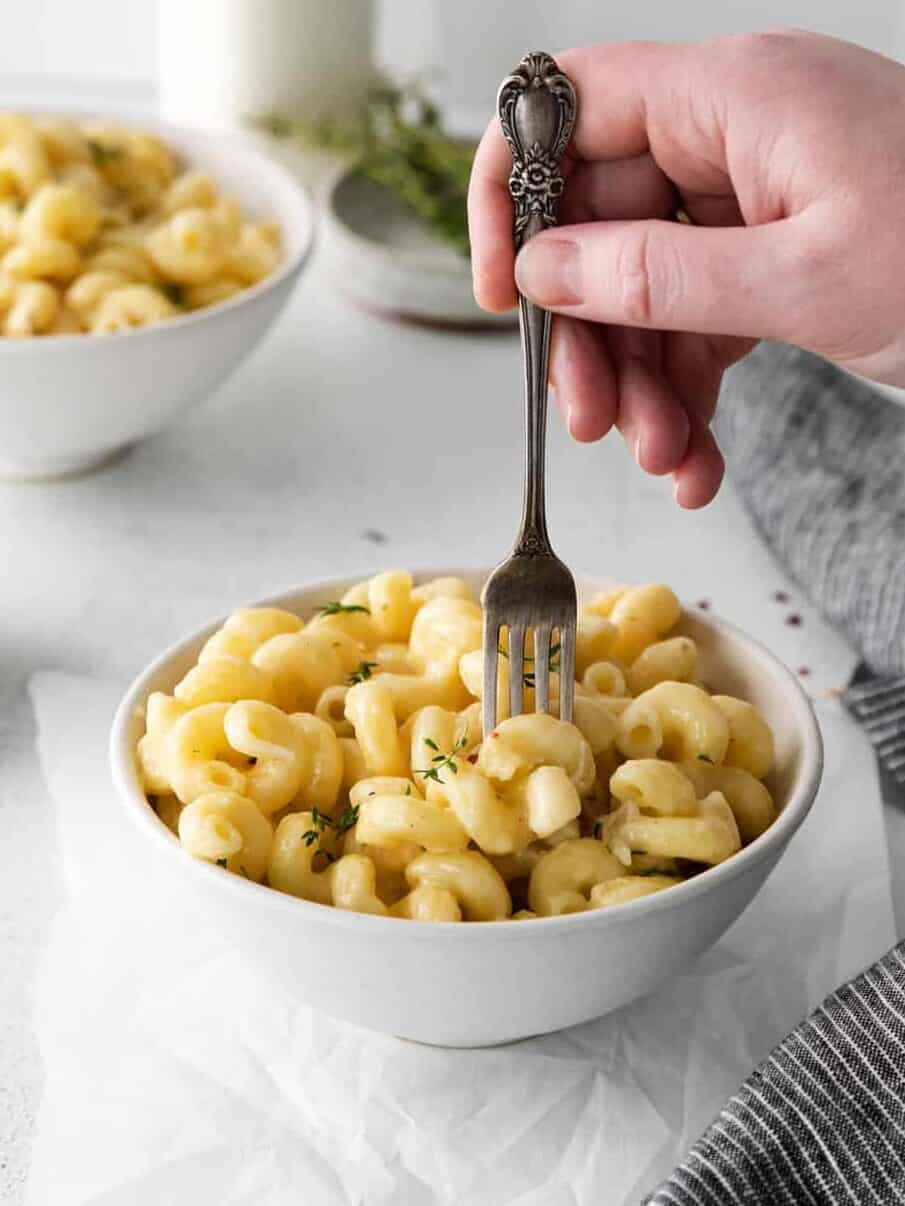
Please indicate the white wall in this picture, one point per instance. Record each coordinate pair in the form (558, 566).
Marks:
(474, 42)
(111, 42)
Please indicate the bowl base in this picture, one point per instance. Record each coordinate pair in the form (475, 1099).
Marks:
(55, 468)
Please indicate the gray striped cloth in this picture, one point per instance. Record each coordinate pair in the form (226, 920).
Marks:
(822, 1121)
(819, 459)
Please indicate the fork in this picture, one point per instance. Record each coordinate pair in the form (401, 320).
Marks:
(532, 589)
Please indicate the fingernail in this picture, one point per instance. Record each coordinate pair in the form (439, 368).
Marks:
(633, 440)
(570, 420)
(548, 271)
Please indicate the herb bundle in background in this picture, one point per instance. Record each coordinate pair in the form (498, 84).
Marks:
(401, 144)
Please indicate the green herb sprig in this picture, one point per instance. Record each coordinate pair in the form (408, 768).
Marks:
(441, 761)
(400, 143)
(362, 673)
(528, 675)
(321, 822)
(336, 608)
(103, 152)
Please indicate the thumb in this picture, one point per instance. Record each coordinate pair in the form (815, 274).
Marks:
(745, 280)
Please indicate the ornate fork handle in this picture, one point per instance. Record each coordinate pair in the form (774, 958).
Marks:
(536, 106)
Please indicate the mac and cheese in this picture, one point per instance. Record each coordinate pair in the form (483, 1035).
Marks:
(339, 757)
(101, 230)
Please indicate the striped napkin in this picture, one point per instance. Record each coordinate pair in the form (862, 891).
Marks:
(822, 1120)
(818, 457)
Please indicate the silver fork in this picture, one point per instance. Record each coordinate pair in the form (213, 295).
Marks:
(533, 589)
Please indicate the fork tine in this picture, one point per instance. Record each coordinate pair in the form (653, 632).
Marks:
(566, 668)
(491, 663)
(516, 668)
(542, 635)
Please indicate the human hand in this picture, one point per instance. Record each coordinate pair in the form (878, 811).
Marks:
(787, 150)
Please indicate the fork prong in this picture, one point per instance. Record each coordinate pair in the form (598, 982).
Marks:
(566, 668)
(542, 635)
(516, 668)
(491, 664)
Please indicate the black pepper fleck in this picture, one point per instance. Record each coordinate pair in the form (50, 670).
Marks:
(375, 536)
(794, 620)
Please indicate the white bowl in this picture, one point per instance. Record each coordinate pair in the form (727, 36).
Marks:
(479, 984)
(389, 261)
(68, 402)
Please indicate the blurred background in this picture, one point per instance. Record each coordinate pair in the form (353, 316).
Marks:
(56, 44)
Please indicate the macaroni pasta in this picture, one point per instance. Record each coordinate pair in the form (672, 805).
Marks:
(339, 757)
(101, 231)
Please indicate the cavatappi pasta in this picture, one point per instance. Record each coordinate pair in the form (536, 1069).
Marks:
(339, 758)
(102, 230)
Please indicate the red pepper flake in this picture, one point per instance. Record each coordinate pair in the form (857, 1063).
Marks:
(703, 604)
(472, 758)
(794, 620)
(803, 671)
(780, 596)
(494, 734)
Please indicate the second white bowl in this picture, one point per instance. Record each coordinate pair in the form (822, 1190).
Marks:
(67, 402)
(479, 984)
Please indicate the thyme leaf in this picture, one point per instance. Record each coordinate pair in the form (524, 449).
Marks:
(362, 672)
(103, 152)
(441, 761)
(399, 143)
(336, 608)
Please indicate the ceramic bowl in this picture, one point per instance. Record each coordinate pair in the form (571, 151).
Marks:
(480, 984)
(68, 402)
(386, 260)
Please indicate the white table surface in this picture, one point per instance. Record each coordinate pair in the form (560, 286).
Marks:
(346, 442)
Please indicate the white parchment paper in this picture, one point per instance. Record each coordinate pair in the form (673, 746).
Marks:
(174, 1076)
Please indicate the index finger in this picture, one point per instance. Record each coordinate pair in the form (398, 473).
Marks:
(611, 123)
(490, 223)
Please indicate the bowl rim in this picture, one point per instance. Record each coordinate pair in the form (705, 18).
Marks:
(770, 843)
(411, 259)
(239, 145)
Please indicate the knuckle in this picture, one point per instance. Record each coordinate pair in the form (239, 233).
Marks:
(633, 274)
(765, 45)
(649, 275)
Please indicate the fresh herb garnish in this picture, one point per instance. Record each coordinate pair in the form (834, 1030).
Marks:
(528, 676)
(346, 820)
(103, 152)
(401, 144)
(441, 761)
(706, 758)
(363, 672)
(335, 608)
(321, 823)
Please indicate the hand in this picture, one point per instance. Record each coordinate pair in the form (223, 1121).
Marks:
(787, 151)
